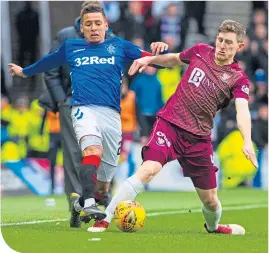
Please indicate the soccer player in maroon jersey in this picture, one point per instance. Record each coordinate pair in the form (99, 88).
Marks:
(183, 127)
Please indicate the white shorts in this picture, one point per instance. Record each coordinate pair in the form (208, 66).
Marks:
(103, 126)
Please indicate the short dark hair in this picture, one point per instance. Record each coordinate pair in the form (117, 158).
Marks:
(93, 8)
(87, 3)
(235, 27)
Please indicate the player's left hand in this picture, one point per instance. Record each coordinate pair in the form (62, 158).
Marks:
(158, 47)
(250, 154)
(139, 65)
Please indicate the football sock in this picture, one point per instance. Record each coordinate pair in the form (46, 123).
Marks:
(127, 191)
(81, 201)
(212, 218)
(87, 175)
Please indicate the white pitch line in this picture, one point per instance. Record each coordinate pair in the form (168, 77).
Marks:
(228, 208)
(30, 222)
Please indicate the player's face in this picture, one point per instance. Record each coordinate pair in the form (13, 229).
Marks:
(226, 47)
(94, 27)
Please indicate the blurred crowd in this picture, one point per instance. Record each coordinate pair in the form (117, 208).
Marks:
(36, 131)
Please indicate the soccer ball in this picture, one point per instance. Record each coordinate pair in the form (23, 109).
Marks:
(129, 216)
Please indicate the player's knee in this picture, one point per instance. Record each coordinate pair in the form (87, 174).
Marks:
(148, 170)
(93, 150)
(211, 202)
(91, 145)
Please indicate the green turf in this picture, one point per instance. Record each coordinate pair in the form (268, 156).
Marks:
(161, 234)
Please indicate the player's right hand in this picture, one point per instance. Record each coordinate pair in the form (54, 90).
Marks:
(15, 70)
(139, 65)
(250, 154)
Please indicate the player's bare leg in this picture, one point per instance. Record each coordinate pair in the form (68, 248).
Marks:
(212, 211)
(128, 191)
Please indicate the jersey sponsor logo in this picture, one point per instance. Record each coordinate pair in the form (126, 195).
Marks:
(196, 77)
(78, 50)
(111, 49)
(162, 139)
(224, 77)
(94, 60)
(245, 89)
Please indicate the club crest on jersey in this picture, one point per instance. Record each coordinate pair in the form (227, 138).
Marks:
(162, 139)
(245, 89)
(111, 49)
(224, 77)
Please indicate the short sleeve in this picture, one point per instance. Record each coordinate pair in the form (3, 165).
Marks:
(241, 88)
(187, 54)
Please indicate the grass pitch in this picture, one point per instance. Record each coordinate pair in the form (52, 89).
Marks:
(174, 224)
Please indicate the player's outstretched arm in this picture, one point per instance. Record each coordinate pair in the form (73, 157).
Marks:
(166, 60)
(244, 124)
(50, 61)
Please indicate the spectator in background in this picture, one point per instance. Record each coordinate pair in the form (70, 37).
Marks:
(113, 14)
(112, 10)
(227, 122)
(195, 10)
(158, 7)
(262, 56)
(170, 24)
(260, 137)
(19, 119)
(169, 77)
(5, 112)
(27, 24)
(259, 17)
(261, 84)
(260, 126)
(38, 137)
(132, 21)
(128, 119)
(150, 23)
(54, 143)
(246, 58)
(149, 101)
(139, 41)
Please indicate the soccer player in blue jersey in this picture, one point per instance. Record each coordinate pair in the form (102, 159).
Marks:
(96, 69)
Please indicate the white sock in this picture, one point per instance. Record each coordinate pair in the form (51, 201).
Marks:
(212, 218)
(89, 202)
(127, 191)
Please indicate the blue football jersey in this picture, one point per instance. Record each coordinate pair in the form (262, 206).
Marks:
(96, 70)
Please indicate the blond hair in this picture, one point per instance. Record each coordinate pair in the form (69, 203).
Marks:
(234, 27)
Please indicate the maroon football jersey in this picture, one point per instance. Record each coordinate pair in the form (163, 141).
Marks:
(203, 90)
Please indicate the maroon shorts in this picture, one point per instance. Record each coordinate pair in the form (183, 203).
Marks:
(168, 142)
